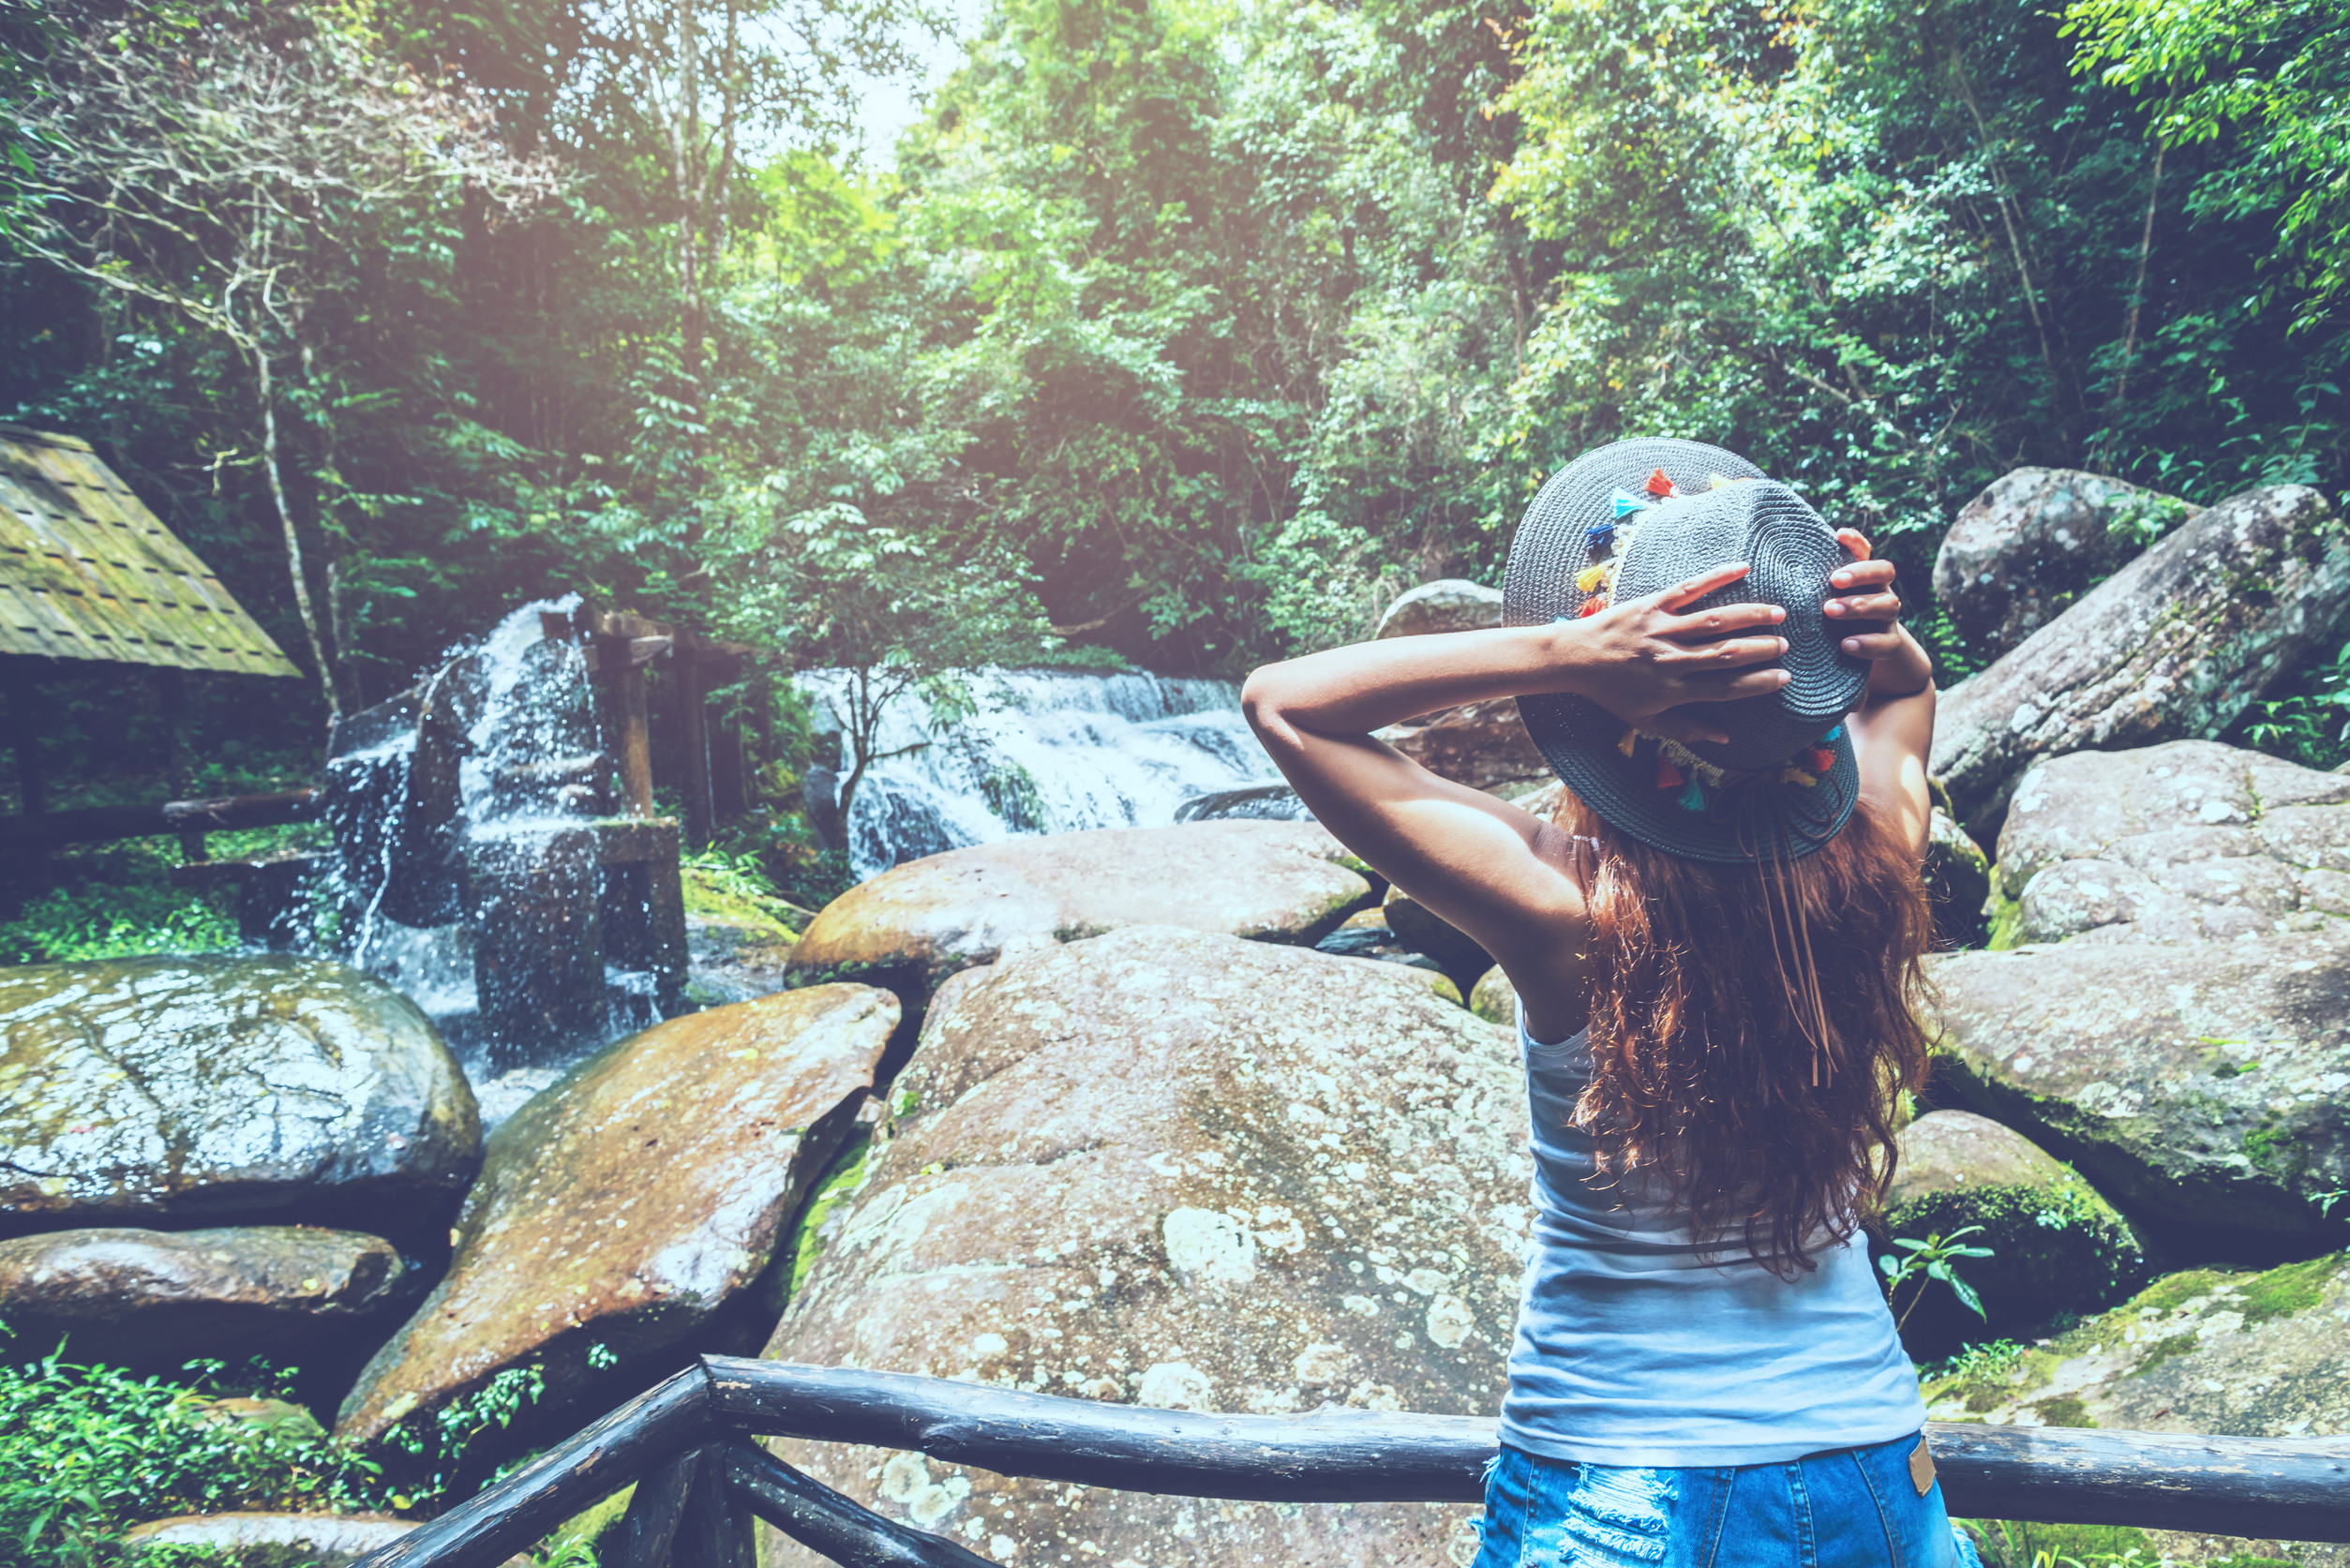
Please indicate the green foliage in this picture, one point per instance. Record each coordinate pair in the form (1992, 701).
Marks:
(1926, 1259)
(2270, 78)
(2008, 1544)
(86, 1451)
(1992, 1358)
(439, 1444)
(2310, 722)
(737, 886)
(98, 921)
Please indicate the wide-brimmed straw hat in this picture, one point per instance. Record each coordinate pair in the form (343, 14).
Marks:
(1638, 516)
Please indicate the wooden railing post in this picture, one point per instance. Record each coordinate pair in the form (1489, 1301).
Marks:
(642, 1539)
(715, 1531)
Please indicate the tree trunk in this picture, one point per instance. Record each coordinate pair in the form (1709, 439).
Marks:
(265, 390)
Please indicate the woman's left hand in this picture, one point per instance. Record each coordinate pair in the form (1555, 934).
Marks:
(1864, 593)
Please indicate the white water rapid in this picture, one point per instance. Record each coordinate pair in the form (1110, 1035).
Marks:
(1048, 752)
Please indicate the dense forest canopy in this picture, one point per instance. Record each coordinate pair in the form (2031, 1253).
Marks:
(1185, 330)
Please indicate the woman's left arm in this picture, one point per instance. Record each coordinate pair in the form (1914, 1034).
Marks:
(1893, 730)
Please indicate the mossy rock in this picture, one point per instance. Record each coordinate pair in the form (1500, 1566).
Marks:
(2237, 1354)
(1494, 999)
(2057, 1244)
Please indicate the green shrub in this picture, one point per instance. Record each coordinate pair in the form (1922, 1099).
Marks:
(87, 1451)
(115, 923)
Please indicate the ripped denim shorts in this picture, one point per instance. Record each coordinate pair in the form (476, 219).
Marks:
(1845, 1508)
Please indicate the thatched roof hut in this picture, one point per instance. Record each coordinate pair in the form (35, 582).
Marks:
(88, 573)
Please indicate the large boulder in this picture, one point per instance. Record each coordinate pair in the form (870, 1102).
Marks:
(2233, 1354)
(219, 1090)
(2206, 1351)
(1169, 1168)
(2206, 1085)
(634, 1211)
(2175, 1019)
(152, 1300)
(2176, 644)
(913, 926)
(2022, 551)
(1480, 745)
(1447, 605)
(2056, 1245)
(2174, 843)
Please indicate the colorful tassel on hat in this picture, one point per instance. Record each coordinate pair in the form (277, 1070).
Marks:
(1821, 761)
(1797, 776)
(1591, 606)
(1668, 776)
(1659, 486)
(1831, 734)
(1591, 576)
(1600, 533)
(1630, 738)
(1692, 798)
(1625, 502)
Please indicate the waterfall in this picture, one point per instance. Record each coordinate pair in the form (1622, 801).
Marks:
(1045, 752)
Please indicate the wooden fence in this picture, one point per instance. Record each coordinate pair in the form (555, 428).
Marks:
(688, 1443)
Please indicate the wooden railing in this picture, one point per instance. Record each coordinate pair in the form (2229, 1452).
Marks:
(687, 1442)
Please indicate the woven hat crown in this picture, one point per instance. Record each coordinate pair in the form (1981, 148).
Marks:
(1637, 517)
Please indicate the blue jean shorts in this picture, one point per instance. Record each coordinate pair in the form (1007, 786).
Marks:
(1845, 1508)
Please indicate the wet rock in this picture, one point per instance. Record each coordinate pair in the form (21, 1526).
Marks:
(913, 926)
(2022, 551)
(1480, 745)
(2177, 843)
(2205, 1086)
(1367, 934)
(1257, 802)
(152, 1300)
(2056, 1245)
(1447, 605)
(1423, 929)
(187, 1090)
(735, 960)
(2207, 1350)
(2176, 644)
(1957, 880)
(1494, 999)
(1169, 1168)
(631, 1210)
(266, 1540)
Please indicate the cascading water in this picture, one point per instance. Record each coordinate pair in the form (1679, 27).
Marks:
(1046, 752)
(491, 759)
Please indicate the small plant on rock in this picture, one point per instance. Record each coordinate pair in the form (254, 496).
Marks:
(1925, 1261)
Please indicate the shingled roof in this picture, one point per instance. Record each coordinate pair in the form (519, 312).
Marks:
(87, 572)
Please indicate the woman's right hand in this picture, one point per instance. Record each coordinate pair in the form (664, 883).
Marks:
(1654, 662)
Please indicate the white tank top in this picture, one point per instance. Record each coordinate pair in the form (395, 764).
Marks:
(1633, 1347)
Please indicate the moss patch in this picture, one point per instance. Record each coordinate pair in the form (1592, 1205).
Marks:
(842, 1180)
(2007, 919)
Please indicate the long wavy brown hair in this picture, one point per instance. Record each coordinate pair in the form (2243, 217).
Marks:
(1752, 1028)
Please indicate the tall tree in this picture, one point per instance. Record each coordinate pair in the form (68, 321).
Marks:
(222, 172)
